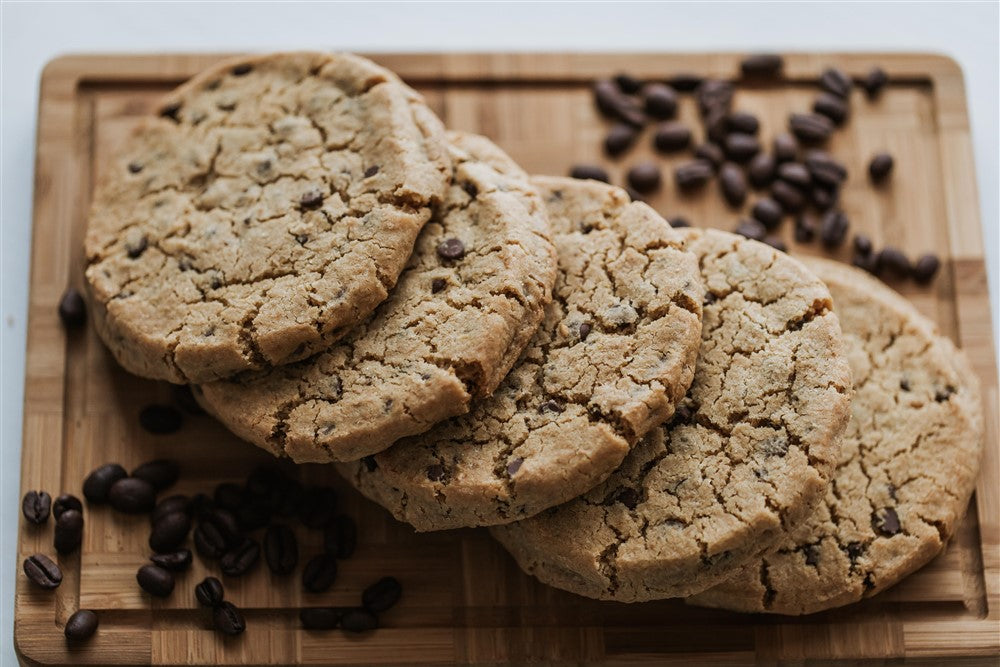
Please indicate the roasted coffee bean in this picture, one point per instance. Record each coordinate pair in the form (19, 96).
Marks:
(835, 81)
(319, 573)
(99, 481)
(36, 506)
(132, 496)
(671, 137)
(867, 262)
(823, 197)
(69, 531)
(169, 532)
(741, 147)
(880, 167)
(805, 229)
(281, 549)
(893, 263)
(825, 169)
(751, 229)
(161, 473)
(776, 243)
(589, 171)
(833, 228)
(382, 595)
(229, 496)
(606, 96)
(862, 244)
(831, 106)
(733, 183)
(789, 196)
(743, 122)
(160, 419)
(183, 396)
(171, 504)
(319, 504)
(210, 592)
(761, 170)
(874, 82)
(340, 537)
(209, 541)
(795, 173)
(714, 95)
(72, 308)
(81, 626)
(266, 480)
(685, 82)
(627, 83)
(228, 619)
(240, 559)
(66, 501)
(644, 177)
(711, 153)
(786, 148)
(761, 65)
(810, 127)
(201, 505)
(225, 522)
(155, 580)
(42, 571)
(925, 268)
(678, 222)
(694, 174)
(619, 139)
(320, 618)
(768, 212)
(660, 100)
(254, 514)
(175, 561)
(358, 620)
(451, 249)
(715, 126)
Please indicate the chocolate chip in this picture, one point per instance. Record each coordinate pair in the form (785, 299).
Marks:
(741, 147)
(761, 170)
(627, 83)
(585, 329)
(161, 473)
(65, 502)
(514, 465)
(672, 136)
(751, 229)
(810, 127)
(175, 561)
(311, 199)
(811, 552)
(36, 506)
(733, 183)
(99, 481)
(210, 592)
(371, 171)
(319, 573)
(925, 268)
(768, 212)
(628, 497)
(742, 122)
(242, 70)
(831, 106)
(72, 308)
(160, 419)
(885, 521)
(833, 228)
(358, 620)
(789, 196)
(660, 100)
(42, 571)
(340, 537)
(451, 249)
(776, 242)
(644, 177)
(619, 139)
(880, 167)
(228, 619)
(470, 189)
(694, 174)
(435, 472)
(862, 244)
(551, 405)
(874, 82)
(370, 463)
(134, 167)
(710, 152)
(301, 239)
(171, 111)
(382, 595)
(169, 532)
(81, 626)
(942, 395)
(155, 580)
(761, 65)
(893, 263)
(135, 247)
(786, 148)
(437, 285)
(805, 229)
(678, 222)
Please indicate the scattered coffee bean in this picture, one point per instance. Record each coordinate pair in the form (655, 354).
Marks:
(382, 595)
(72, 308)
(160, 419)
(733, 183)
(99, 481)
(715, 126)
(825, 169)
(762, 65)
(451, 249)
(743, 122)
(751, 229)
(319, 504)
(69, 532)
(874, 82)
(925, 268)
(256, 513)
(833, 228)
(824, 198)
(805, 229)
(287, 499)
(768, 212)
(685, 82)
(240, 559)
(161, 473)
(761, 170)
(711, 153)
(776, 243)
(678, 222)
(867, 262)
(619, 139)
(229, 496)
(880, 167)
(810, 127)
(694, 174)
(225, 522)
(741, 147)
(210, 592)
(81, 626)
(893, 263)
(201, 505)
(786, 148)
(862, 244)
(171, 504)
(36, 506)
(644, 177)
(714, 95)
(660, 100)
(835, 81)
(319, 573)
(42, 571)
(65, 502)
(132, 496)
(266, 480)
(627, 83)
(340, 537)
(155, 580)
(320, 618)
(795, 173)
(209, 541)
(671, 137)
(358, 620)
(831, 106)
(611, 102)
(175, 561)
(281, 549)
(789, 196)
(169, 532)
(228, 619)
(589, 171)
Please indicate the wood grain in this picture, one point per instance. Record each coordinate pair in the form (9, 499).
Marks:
(465, 601)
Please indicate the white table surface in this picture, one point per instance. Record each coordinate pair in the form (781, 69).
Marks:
(33, 33)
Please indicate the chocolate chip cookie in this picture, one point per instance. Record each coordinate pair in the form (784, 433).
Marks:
(749, 450)
(908, 464)
(470, 299)
(266, 211)
(614, 354)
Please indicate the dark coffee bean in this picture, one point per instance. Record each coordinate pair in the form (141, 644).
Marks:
(72, 308)
(287, 500)
(606, 96)
(795, 173)
(714, 95)
(69, 532)
(65, 502)
(201, 505)
(627, 83)
(160, 419)
(867, 262)
(711, 153)
(874, 82)
(761, 170)
(862, 244)
(155, 580)
(805, 229)
(743, 122)
(229, 496)
(786, 148)
(319, 573)
(831, 106)
(825, 169)
(183, 397)
(256, 513)
(716, 129)
(741, 147)
(761, 65)
(42, 571)
(175, 561)
(319, 505)
(81, 626)
(733, 183)
(225, 522)
(776, 243)
(810, 127)
(886, 521)
(99, 481)
(823, 197)
(644, 177)
(619, 139)
(768, 212)
(685, 82)
(893, 263)
(340, 537)
(320, 618)
(660, 100)
(35, 506)
(209, 541)
(789, 196)
(358, 620)
(265, 480)
(210, 592)
(880, 167)
(671, 137)
(589, 171)
(281, 549)
(169, 532)
(382, 595)
(228, 619)
(132, 496)
(311, 199)
(240, 559)
(751, 229)
(161, 473)
(171, 504)
(833, 228)
(678, 222)
(925, 268)
(835, 81)
(694, 174)
(451, 249)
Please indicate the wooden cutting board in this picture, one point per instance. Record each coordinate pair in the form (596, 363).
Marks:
(465, 601)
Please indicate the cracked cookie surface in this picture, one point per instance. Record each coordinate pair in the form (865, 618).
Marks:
(471, 297)
(267, 210)
(749, 449)
(907, 468)
(615, 352)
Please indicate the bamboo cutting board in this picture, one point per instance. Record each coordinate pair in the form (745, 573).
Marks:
(464, 599)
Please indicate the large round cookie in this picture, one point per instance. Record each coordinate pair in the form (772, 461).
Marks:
(907, 468)
(614, 354)
(750, 448)
(471, 297)
(269, 209)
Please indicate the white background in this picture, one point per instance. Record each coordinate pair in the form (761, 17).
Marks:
(33, 33)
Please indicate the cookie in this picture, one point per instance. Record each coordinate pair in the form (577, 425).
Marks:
(470, 299)
(749, 449)
(266, 211)
(614, 354)
(908, 463)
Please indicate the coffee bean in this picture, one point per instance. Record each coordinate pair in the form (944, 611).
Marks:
(35, 506)
(99, 481)
(672, 136)
(835, 81)
(751, 229)
(228, 619)
(266, 480)
(716, 128)
(65, 502)
(810, 127)
(155, 580)
(660, 100)
(743, 122)
(685, 82)
(160, 419)
(319, 504)
(175, 561)
(925, 268)
(713, 95)
(761, 170)
(169, 532)
(209, 592)
(319, 573)
(382, 595)
(833, 228)
(678, 222)
(81, 626)
(741, 147)
(776, 243)
(762, 65)
(694, 174)
(824, 168)
(874, 82)
(69, 532)
(893, 263)
(733, 183)
(209, 541)
(795, 173)
(225, 522)
(786, 148)
(619, 139)
(789, 196)
(132, 496)
(805, 229)
(229, 496)
(831, 106)
(886, 522)
(451, 249)
(171, 504)
(711, 153)
(72, 308)
(287, 499)
(340, 537)
(644, 177)
(254, 514)
(320, 618)
(768, 212)
(824, 198)
(589, 171)
(606, 96)
(240, 559)
(358, 620)
(867, 262)
(880, 167)
(42, 571)
(281, 549)
(161, 473)
(627, 83)
(201, 505)
(862, 244)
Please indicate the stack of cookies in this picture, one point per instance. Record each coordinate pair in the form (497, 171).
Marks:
(636, 411)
